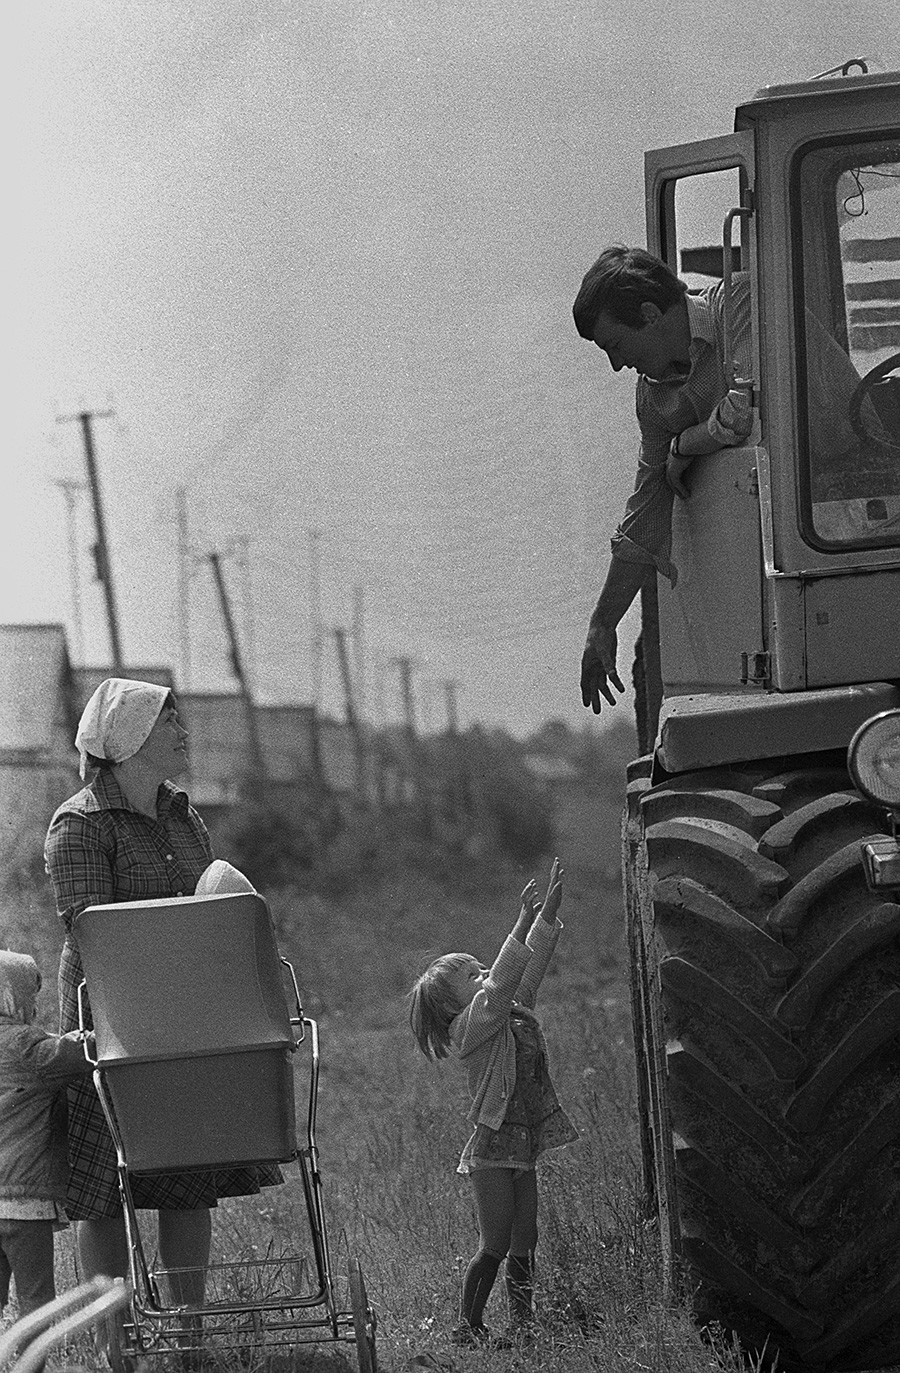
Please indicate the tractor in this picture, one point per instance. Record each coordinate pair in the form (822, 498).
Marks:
(760, 855)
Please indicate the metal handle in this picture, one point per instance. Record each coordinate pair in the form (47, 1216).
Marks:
(743, 383)
(299, 1018)
(82, 990)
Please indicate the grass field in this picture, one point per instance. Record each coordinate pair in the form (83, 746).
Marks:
(391, 1125)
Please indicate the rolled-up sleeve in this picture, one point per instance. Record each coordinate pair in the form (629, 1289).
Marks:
(78, 865)
(645, 534)
(491, 1004)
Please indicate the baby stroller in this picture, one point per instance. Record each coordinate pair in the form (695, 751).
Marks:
(194, 1067)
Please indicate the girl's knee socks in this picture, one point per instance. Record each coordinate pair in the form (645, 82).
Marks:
(480, 1276)
(520, 1286)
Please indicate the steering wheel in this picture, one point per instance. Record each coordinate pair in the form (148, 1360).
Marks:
(854, 409)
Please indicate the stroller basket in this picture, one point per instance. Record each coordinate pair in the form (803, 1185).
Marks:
(205, 1111)
(247, 1303)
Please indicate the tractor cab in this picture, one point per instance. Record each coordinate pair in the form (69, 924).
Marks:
(788, 551)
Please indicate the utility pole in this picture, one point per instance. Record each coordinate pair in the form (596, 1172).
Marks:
(460, 790)
(239, 548)
(101, 547)
(340, 638)
(359, 651)
(417, 752)
(315, 616)
(243, 559)
(70, 490)
(405, 666)
(450, 697)
(378, 704)
(257, 760)
(185, 559)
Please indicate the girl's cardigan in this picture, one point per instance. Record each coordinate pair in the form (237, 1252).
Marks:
(482, 1034)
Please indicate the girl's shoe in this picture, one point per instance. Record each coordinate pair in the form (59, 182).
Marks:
(466, 1336)
(516, 1335)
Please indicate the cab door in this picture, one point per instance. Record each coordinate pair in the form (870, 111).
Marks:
(711, 621)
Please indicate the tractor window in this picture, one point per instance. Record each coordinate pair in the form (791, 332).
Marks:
(701, 203)
(847, 208)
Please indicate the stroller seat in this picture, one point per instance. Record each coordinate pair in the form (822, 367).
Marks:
(193, 1030)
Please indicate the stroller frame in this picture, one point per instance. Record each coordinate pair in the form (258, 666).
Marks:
(275, 1322)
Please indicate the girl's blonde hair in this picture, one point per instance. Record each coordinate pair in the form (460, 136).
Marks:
(433, 1006)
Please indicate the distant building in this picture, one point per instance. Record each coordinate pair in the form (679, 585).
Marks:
(295, 751)
(218, 746)
(550, 769)
(287, 735)
(340, 760)
(397, 766)
(87, 679)
(42, 697)
(39, 710)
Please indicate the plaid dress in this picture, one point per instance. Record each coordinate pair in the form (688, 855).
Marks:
(534, 1120)
(99, 851)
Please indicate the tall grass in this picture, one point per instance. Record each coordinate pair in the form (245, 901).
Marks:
(391, 1125)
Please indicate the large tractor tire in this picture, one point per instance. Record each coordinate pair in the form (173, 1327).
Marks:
(766, 985)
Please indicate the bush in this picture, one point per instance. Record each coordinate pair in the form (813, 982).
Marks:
(513, 807)
(273, 838)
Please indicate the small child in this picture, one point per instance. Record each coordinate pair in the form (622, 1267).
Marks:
(34, 1067)
(485, 1016)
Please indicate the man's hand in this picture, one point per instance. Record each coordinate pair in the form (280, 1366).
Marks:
(731, 421)
(598, 666)
(676, 466)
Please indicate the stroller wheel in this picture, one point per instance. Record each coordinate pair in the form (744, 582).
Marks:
(116, 1356)
(363, 1320)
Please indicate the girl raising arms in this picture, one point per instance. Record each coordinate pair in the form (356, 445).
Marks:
(486, 1018)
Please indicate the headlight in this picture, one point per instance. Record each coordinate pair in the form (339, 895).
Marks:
(873, 759)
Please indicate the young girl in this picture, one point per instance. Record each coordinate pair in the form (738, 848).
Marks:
(34, 1068)
(486, 1017)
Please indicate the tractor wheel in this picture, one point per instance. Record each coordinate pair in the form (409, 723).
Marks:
(634, 875)
(771, 1023)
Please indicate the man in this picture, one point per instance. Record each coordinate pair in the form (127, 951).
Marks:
(634, 308)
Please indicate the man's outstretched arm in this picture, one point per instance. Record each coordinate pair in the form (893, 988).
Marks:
(598, 662)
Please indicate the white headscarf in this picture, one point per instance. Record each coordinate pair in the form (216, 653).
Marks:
(117, 719)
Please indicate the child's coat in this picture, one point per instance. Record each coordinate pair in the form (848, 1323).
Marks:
(34, 1066)
(482, 1034)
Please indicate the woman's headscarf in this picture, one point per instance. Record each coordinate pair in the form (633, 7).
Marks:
(117, 719)
(20, 983)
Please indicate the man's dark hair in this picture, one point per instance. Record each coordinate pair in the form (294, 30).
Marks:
(619, 283)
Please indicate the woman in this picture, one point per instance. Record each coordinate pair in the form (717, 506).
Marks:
(130, 835)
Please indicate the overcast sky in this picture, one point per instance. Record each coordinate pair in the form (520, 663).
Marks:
(319, 260)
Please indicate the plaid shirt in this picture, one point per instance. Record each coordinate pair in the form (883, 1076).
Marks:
(100, 850)
(666, 408)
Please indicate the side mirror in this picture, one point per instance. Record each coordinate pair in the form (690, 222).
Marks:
(873, 760)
